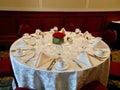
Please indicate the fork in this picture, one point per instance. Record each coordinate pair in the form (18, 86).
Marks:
(51, 65)
(77, 63)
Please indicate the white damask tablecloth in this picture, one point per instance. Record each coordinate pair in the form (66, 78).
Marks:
(30, 68)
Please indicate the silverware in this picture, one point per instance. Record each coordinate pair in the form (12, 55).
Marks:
(95, 56)
(13, 50)
(51, 65)
(77, 63)
(28, 59)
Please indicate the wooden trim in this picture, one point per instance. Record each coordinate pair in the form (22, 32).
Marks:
(94, 22)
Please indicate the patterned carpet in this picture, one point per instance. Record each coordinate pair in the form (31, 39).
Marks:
(5, 83)
(114, 84)
(116, 55)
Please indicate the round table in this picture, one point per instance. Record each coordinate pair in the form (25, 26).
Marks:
(32, 60)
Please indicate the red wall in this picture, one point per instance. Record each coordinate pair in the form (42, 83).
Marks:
(94, 22)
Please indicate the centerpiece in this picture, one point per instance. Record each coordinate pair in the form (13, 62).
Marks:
(58, 37)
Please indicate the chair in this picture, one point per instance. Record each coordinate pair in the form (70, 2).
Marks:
(110, 37)
(114, 75)
(95, 85)
(114, 70)
(96, 34)
(69, 27)
(21, 88)
(25, 28)
(6, 70)
(5, 67)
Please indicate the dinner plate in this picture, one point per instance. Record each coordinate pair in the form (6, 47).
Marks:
(99, 53)
(24, 53)
(18, 54)
(61, 69)
(101, 56)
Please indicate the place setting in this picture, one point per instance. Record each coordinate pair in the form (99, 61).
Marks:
(24, 56)
(37, 34)
(60, 65)
(25, 49)
(50, 63)
(97, 53)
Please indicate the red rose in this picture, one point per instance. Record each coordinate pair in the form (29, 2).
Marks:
(58, 35)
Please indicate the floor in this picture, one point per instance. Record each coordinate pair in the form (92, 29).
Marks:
(114, 84)
(115, 55)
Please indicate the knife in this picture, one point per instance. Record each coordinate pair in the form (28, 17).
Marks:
(51, 65)
(77, 63)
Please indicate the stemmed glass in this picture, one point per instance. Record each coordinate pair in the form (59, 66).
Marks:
(59, 49)
(84, 44)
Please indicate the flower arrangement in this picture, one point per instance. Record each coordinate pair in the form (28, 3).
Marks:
(58, 37)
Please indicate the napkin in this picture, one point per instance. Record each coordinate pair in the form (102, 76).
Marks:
(52, 30)
(26, 36)
(84, 58)
(87, 35)
(63, 30)
(21, 44)
(95, 40)
(35, 35)
(38, 31)
(42, 59)
(100, 45)
(77, 30)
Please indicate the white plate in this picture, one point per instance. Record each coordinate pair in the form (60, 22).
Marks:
(61, 69)
(99, 53)
(102, 56)
(24, 53)
(19, 55)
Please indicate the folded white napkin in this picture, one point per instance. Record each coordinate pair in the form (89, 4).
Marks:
(77, 30)
(21, 44)
(87, 35)
(26, 36)
(36, 36)
(63, 30)
(38, 31)
(42, 59)
(83, 58)
(100, 45)
(52, 30)
(95, 40)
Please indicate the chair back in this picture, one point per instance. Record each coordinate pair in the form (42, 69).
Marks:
(94, 85)
(114, 72)
(6, 67)
(21, 88)
(110, 37)
(25, 28)
(69, 27)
